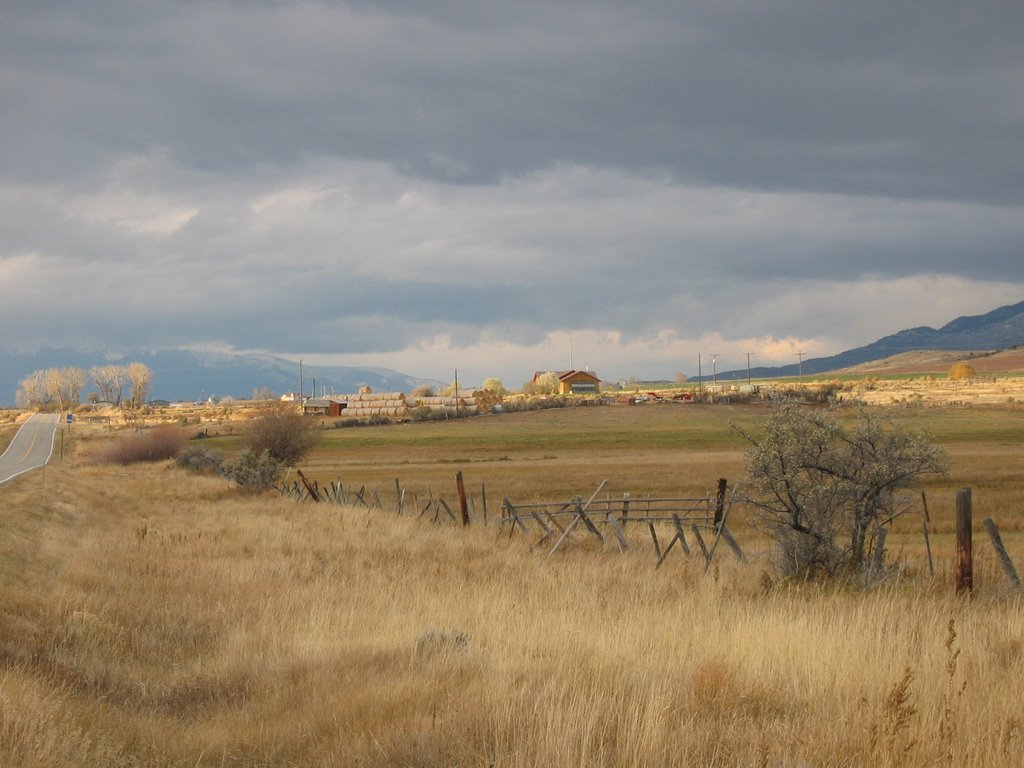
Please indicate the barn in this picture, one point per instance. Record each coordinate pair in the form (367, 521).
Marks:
(324, 406)
(575, 382)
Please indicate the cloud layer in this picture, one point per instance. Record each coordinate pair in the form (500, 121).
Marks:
(470, 185)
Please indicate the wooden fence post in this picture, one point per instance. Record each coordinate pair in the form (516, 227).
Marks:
(463, 506)
(1004, 556)
(309, 488)
(720, 500)
(964, 548)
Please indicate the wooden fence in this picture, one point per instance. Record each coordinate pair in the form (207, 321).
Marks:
(605, 519)
(663, 519)
(704, 517)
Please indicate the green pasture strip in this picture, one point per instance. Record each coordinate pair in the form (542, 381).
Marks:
(608, 427)
(967, 425)
(614, 429)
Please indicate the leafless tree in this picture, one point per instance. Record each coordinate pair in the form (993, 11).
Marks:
(262, 393)
(72, 382)
(33, 392)
(110, 381)
(140, 377)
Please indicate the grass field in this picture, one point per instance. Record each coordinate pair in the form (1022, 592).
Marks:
(150, 617)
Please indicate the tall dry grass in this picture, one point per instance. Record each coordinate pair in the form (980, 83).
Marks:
(164, 620)
(157, 443)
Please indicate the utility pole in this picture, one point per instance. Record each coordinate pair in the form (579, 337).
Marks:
(714, 370)
(748, 367)
(801, 356)
(456, 392)
(700, 377)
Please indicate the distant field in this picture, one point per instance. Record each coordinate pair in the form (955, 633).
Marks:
(651, 449)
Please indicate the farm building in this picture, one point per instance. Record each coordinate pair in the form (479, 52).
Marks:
(575, 382)
(324, 406)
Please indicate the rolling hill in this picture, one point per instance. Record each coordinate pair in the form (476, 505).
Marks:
(1002, 328)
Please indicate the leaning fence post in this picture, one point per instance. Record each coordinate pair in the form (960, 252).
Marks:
(964, 548)
(927, 539)
(309, 489)
(1004, 556)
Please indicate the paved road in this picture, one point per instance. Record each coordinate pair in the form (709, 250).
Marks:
(31, 447)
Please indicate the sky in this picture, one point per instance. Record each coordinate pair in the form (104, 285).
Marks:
(507, 187)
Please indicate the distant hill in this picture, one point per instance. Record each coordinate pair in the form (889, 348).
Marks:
(180, 374)
(1001, 328)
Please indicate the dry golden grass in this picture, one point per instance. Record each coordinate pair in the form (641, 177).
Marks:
(153, 618)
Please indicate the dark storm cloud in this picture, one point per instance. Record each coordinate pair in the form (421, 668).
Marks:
(905, 100)
(359, 177)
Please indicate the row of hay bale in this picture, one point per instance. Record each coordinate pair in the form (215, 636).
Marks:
(481, 400)
(365, 405)
(396, 405)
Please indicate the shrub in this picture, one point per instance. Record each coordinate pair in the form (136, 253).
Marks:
(544, 384)
(821, 490)
(283, 433)
(156, 444)
(201, 460)
(423, 390)
(961, 371)
(420, 413)
(494, 385)
(254, 472)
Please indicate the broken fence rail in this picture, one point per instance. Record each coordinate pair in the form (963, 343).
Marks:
(704, 516)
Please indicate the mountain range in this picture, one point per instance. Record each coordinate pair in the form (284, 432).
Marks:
(181, 374)
(1001, 328)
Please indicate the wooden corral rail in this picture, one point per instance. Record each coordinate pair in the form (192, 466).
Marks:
(663, 517)
(705, 517)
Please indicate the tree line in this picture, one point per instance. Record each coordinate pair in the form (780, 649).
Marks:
(61, 388)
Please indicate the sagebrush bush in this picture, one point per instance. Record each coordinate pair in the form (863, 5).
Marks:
(282, 432)
(420, 413)
(156, 444)
(821, 487)
(254, 472)
(201, 460)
